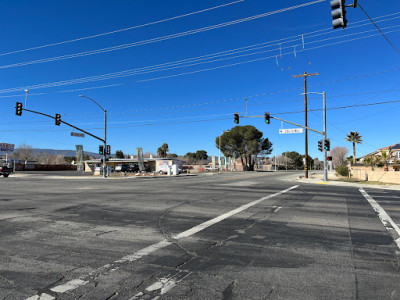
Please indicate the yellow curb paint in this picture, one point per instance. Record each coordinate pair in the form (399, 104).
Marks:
(322, 182)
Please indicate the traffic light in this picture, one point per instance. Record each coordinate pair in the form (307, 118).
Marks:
(267, 118)
(236, 118)
(327, 145)
(108, 150)
(320, 142)
(58, 119)
(101, 149)
(338, 14)
(18, 109)
(329, 158)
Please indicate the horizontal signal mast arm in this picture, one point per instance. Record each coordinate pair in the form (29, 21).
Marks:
(84, 131)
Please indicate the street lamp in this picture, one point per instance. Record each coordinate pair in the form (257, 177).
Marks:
(219, 157)
(105, 134)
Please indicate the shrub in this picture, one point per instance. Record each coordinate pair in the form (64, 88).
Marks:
(342, 170)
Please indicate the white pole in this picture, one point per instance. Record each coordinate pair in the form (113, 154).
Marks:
(26, 96)
(219, 155)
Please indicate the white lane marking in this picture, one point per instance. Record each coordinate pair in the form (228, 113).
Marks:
(163, 285)
(387, 197)
(145, 251)
(277, 209)
(220, 218)
(70, 285)
(383, 216)
(75, 283)
(43, 296)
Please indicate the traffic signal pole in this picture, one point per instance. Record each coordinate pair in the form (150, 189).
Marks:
(325, 137)
(105, 145)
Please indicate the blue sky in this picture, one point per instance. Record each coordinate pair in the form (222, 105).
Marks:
(188, 107)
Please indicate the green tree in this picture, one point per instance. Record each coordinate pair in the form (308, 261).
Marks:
(172, 155)
(295, 159)
(119, 154)
(246, 143)
(201, 154)
(191, 157)
(355, 138)
(163, 150)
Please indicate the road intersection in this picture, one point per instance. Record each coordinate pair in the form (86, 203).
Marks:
(224, 236)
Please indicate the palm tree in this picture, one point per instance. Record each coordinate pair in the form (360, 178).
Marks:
(163, 150)
(355, 138)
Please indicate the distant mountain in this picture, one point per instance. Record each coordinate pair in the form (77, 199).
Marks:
(61, 152)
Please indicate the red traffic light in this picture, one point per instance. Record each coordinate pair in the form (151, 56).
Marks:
(18, 109)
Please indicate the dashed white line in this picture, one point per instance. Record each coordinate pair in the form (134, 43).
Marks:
(162, 286)
(383, 216)
(75, 283)
(42, 296)
(70, 285)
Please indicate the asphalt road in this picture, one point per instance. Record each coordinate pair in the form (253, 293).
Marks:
(222, 236)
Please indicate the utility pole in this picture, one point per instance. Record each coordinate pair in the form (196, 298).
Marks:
(305, 75)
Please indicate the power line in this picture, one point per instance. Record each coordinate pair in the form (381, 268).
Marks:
(278, 42)
(171, 65)
(158, 39)
(377, 27)
(123, 29)
(254, 60)
(218, 119)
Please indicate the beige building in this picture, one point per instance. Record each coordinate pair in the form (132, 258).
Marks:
(395, 153)
(150, 164)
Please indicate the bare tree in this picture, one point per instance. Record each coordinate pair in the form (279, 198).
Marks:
(339, 155)
(24, 152)
(283, 162)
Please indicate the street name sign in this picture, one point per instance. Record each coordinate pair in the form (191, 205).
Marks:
(77, 134)
(291, 130)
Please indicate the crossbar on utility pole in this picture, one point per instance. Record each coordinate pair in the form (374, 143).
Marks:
(305, 75)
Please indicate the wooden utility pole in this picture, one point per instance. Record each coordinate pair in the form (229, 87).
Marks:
(305, 75)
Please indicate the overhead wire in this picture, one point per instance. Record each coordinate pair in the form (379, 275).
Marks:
(277, 42)
(381, 32)
(255, 60)
(122, 29)
(176, 64)
(221, 115)
(132, 72)
(158, 39)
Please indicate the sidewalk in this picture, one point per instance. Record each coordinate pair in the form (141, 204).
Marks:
(334, 180)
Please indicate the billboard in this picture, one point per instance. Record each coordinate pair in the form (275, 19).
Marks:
(7, 147)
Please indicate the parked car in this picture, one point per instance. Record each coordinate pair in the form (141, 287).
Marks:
(210, 169)
(133, 168)
(5, 171)
(164, 171)
(127, 168)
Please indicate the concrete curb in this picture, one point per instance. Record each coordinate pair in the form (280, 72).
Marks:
(349, 184)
